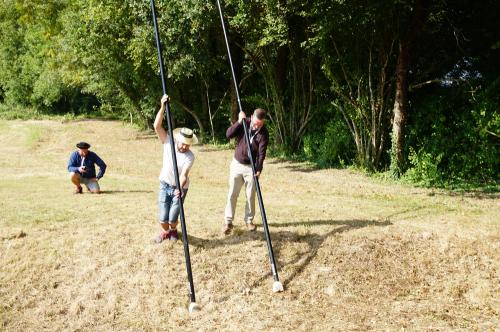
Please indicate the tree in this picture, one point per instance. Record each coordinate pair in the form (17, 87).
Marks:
(406, 44)
(453, 118)
(28, 53)
(102, 53)
(110, 51)
(274, 32)
(355, 41)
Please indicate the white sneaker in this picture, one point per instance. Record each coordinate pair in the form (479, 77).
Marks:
(251, 226)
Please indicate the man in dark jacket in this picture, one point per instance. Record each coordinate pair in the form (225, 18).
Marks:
(240, 171)
(81, 166)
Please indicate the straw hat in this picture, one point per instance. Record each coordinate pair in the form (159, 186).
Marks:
(185, 135)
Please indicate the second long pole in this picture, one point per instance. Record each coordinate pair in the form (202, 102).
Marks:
(277, 286)
(192, 297)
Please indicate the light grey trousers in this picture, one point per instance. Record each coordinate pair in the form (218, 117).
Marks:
(239, 175)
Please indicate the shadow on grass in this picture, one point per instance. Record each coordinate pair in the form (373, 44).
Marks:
(302, 167)
(280, 239)
(315, 241)
(142, 137)
(492, 193)
(213, 148)
(104, 192)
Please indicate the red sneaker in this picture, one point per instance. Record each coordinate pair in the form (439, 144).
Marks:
(173, 235)
(162, 237)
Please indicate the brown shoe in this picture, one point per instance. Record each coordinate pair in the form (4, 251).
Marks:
(78, 190)
(251, 226)
(227, 228)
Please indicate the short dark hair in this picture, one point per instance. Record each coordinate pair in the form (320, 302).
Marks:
(260, 113)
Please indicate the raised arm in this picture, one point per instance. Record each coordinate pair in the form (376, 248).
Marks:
(236, 127)
(158, 124)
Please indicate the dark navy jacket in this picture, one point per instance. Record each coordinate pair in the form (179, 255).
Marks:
(75, 161)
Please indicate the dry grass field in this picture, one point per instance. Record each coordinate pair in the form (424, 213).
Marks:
(353, 253)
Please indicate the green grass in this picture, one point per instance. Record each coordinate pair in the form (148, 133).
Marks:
(34, 136)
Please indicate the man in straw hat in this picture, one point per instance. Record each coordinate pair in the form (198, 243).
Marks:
(240, 171)
(81, 166)
(169, 195)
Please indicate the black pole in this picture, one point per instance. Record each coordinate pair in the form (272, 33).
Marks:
(247, 139)
(174, 159)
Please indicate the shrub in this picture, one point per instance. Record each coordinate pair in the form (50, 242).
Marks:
(424, 170)
(330, 145)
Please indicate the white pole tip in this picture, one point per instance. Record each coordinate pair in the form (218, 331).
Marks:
(277, 287)
(193, 307)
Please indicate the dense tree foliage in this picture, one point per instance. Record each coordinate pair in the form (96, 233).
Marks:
(390, 84)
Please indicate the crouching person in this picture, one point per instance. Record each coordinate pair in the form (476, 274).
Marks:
(81, 166)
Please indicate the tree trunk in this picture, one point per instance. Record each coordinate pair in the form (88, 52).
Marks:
(400, 109)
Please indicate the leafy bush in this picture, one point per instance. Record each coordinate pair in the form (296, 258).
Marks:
(329, 145)
(454, 137)
(424, 168)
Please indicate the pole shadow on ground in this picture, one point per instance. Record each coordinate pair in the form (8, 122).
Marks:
(313, 240)
(281, 238)
(125, 191)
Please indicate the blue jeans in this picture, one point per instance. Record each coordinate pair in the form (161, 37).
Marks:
(168, 204)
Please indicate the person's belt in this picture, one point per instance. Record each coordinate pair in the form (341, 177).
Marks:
(168, 184)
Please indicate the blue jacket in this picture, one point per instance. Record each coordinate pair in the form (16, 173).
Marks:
(75, 161)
